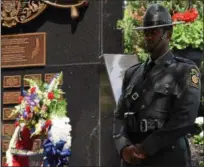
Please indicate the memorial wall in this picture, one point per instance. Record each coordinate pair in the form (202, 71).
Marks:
(40, 39)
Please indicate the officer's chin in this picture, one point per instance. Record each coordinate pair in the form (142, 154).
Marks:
(148, 48)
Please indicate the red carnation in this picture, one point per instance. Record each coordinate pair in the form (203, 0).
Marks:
(188, 16)
(28, 109)
(48, 123)
(20, 98)
(50, 95)
(32, 90)
(17, 124)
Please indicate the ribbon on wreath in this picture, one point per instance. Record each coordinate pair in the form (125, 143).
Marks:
(54, 155)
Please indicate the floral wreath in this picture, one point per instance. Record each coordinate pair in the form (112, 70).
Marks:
(41, 112)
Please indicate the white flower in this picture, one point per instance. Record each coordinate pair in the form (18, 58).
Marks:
(201, 134)
(52, 85)
(60, 130)
(199, 120)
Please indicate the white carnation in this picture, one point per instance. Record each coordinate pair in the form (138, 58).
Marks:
(199, 120)
(60, 130)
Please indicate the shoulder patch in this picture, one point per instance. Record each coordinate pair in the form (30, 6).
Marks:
(194, 78)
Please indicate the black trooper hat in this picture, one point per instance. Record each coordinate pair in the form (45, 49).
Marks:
(157, 16)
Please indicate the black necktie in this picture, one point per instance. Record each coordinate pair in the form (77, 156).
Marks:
(148, 68)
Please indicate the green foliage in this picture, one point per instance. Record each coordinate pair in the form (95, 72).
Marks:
(184, 35)
(58, 108)
(198, 140)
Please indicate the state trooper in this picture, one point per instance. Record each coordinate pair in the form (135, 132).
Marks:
(159, 101)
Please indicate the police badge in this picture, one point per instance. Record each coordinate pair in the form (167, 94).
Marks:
(15, 11)
(195, 78)
(72, 4)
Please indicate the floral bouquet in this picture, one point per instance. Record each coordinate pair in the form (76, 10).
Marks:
(41, 112)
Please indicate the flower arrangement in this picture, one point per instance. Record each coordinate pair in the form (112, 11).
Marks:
(41, 112)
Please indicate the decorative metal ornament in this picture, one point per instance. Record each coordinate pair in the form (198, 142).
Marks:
(20, 11)
(72, 4)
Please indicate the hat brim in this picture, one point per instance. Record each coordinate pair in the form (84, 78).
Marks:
(157, 26)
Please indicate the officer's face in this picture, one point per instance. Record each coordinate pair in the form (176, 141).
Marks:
(152, 36)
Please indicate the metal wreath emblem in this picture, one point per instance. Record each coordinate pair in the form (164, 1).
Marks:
(72, 4)
(20, 11)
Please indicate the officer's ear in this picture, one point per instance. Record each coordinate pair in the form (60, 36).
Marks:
(169, 35)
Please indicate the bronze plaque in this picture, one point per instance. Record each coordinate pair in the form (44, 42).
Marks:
(11, 97)
(12, 81)
(23, 50)
(36, 145)
(3, 161)
(6, 113)
(8, 130)
(5, 145)
(35, 77)
(14, 12)
(49, 77)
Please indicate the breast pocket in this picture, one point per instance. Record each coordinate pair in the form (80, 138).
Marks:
(163, 96)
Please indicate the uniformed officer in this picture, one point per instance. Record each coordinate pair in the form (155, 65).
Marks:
(159, 102)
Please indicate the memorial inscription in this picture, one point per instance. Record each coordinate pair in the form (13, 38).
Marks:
(35, 77)
(12, 81)
(49, 77)
(6, 113)
(23, 50)
(5, 144)
(11, 97)
(8, 130)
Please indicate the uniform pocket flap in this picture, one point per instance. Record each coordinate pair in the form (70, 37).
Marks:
(165, 89)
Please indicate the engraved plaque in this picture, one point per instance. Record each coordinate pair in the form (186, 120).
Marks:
(49, 77)
(36, 145)
(11, 97)
(3, 161)
(23, 50)
(8, 129)
(5, 144)
(12, 81)
(6, 114)
(35, 77)
(21, 11)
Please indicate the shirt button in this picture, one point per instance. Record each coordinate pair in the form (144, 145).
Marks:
(173, 147)
(144, 90)
(142, 107)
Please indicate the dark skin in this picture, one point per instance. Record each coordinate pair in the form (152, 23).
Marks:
(131, 154)
(152, 36)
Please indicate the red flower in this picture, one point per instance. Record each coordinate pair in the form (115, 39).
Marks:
(20, 98)
(32, 90)
(177, 17)
(188, 16)
(30, 115)
(28, 109)
(48, 123)
(50, 95)
(17, 124)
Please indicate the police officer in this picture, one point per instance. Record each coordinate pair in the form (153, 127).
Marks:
(159, 101)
